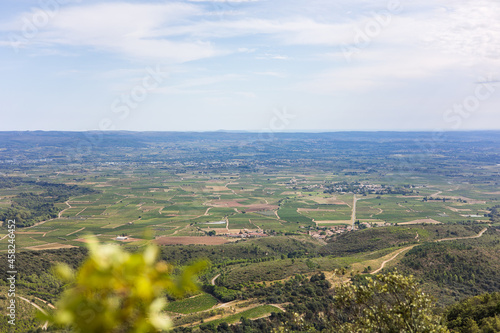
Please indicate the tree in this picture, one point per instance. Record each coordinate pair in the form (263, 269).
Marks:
(386, 304)
(475, 314)
(116, 291)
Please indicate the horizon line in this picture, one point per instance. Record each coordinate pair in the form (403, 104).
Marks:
(297, 131)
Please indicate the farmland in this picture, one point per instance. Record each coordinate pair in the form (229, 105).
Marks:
(175, 207)
(279, 210)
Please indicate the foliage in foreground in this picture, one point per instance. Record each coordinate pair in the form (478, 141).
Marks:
(115, 291)
(475, 315)
(386, 303)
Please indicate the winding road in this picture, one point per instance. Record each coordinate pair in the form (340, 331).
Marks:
(468, 237)
(44, 326)
(439, 240)
(213, 280)
(392, 258)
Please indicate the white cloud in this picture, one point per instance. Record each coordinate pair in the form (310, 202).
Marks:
(272, 56)
(376, 70)
(471, 28)
(197, 85)
(237, 1)
(123, 28)
(178, 32)
(274, 74)
(438, 43)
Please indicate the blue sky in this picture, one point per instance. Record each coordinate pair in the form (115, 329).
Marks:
(249, 65)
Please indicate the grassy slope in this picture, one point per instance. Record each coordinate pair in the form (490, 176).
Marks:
(193, 304)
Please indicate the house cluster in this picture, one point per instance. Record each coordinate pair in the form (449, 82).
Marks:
(322, 234)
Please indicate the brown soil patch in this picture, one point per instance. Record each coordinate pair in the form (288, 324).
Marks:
(186, 240)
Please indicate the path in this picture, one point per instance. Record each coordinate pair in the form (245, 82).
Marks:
(65, 209)
(180, 229)
(279, 306)
(206, 212)
(409, 247)
(80, 211)
(258, 228)
(230, 188)
(392, 258)
(44, 327)
(468, 237)
(58, 216)
(232, 310)
(74, 232)
(213, 280)
(436, 194)
(45, 234)
(353, 214)
(37, 224)
(44, 301)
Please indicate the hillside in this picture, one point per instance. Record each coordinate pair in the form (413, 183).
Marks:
(454, 270)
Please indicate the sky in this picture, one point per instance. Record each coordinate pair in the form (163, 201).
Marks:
(254, 65)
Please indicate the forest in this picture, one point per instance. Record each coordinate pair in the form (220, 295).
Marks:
(28, 208)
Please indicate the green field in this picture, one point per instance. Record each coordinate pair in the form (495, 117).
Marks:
(128, 203)
(192, 304)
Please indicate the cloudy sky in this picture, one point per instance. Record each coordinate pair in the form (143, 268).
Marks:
(261, 65)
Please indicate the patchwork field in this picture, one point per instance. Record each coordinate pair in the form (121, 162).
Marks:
(187, 208)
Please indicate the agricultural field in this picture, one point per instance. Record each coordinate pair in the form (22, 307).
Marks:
(196, 303)
(189, 205)
(285, 211)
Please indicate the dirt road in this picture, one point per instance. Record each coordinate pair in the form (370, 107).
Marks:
(392, 258)
(353, 214)
(213, 280)
(439, 240)
(468, 237)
